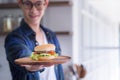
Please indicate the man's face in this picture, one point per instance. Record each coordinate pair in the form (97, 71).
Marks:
(33, 10)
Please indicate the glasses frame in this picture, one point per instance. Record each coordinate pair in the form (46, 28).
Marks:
(38, 5)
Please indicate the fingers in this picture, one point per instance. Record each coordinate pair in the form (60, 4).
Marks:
(48, 65)
(33, 67)
(25, 65)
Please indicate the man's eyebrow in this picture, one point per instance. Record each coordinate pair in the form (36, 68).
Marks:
(25, 0)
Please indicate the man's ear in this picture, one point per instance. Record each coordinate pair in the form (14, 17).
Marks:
(19, 3)
(46, 3)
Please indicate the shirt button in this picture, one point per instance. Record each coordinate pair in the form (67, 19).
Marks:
(47, 32)
(37, 43)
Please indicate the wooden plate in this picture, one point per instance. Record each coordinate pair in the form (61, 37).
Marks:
(29, 61)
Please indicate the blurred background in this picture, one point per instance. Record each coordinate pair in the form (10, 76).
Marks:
(88, 31)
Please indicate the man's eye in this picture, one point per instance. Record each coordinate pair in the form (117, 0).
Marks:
(27, 3)
(38, 4)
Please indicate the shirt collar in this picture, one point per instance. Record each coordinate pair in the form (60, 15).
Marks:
(26, 29)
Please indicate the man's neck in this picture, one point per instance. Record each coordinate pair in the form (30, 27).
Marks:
(34, 26)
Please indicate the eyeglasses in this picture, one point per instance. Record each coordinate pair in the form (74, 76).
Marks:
(29, 4)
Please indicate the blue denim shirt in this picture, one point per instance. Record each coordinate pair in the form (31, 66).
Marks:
(20, 43)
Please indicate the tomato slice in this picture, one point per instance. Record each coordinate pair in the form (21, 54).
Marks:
(35, 52)
(51, 52)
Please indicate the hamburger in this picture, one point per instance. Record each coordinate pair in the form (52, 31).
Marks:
(44, 52)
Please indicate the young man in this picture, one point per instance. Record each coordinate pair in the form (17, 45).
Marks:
(21, 42)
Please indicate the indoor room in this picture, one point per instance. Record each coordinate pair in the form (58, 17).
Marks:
(88, 32)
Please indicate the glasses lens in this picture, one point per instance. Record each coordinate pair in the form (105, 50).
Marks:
(39, 4)
(27, 5)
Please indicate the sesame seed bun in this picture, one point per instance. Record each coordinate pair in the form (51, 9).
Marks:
(45, 47)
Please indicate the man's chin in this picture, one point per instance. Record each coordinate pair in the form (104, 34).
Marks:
(35, 22)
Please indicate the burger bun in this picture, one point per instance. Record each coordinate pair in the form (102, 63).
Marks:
(45, 47)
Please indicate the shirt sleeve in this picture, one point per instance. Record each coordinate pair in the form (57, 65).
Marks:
(15, 48)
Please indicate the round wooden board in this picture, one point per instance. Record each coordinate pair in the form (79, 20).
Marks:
(29, 61)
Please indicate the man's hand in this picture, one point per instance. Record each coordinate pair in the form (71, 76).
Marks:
(33, 67)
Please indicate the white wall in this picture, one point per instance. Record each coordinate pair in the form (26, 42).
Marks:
(98, 46)
(4, 67)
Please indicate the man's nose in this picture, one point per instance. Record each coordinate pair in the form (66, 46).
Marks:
(33, 8)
